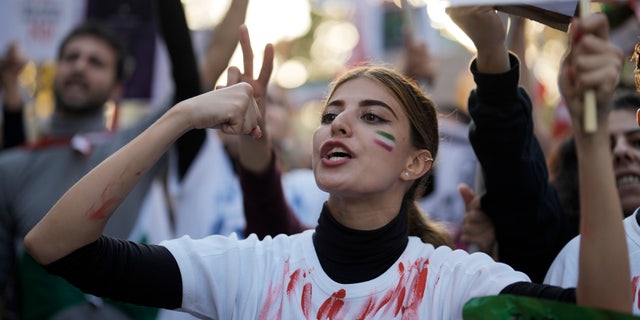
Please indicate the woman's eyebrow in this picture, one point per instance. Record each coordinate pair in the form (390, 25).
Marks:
(336, 103)
(371, 102)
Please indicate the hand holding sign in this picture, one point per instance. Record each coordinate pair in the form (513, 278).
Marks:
(590, 121)
(556, 14)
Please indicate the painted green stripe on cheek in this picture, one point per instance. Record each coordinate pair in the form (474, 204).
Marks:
(386, 135)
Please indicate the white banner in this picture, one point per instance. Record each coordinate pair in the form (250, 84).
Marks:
(38, 26)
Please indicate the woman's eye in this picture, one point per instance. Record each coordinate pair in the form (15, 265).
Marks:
(327, 118)
(370, 117)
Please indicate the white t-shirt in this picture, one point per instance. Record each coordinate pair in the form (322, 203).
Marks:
(564, 269)
(281, 278)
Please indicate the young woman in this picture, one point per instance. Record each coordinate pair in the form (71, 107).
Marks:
(377, 140)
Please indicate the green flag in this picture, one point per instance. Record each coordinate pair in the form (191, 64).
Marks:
(510, 307)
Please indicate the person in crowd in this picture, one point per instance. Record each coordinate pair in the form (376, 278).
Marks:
(11, 65)
(563, 176)
(503, 138)
(375, 121)
(482, 225)
(563, 163)
(208, 200)
(204, 198)
(624, 136)
(90, 71)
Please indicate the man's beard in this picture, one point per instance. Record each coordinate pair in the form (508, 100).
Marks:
(90, 106)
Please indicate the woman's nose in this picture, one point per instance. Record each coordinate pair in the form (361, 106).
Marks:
(340, 126)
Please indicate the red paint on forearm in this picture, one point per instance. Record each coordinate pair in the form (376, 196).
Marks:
(100, 213)
(107, 201)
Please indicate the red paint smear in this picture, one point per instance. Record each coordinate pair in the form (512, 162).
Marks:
(387, 297)
(99, 214)
(293, 281)
(418, 290)
(279, 292)
(106, 202)
(634, 287)
(335, 308)
(410, 289)
(418, 286)
(398, 295)
(400, 301)
(383, 145)
(368, 309)
(332, 306)
(305, 302)
(273, 293)
(397, 291)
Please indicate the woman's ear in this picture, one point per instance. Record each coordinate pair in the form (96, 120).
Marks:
(418, 165)
(638, 116)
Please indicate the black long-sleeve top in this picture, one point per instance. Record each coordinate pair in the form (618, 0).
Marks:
(149, 275)
(530, 222)
(13, 133)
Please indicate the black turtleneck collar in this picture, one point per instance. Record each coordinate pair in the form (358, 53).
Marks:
(350, 256)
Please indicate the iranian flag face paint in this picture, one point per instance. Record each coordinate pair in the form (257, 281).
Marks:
(385, 140)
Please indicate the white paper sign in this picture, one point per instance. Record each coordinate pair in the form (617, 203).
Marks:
(556, 14)
(565, 7)
(38, 26)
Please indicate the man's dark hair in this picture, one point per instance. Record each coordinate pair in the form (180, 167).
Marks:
(101, 31)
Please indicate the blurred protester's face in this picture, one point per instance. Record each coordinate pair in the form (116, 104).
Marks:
(277, 121)
(86, 75)
(625, 145)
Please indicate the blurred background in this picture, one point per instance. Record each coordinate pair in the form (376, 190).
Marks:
(314, 40)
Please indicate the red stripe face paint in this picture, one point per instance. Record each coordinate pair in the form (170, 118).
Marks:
(385, 140)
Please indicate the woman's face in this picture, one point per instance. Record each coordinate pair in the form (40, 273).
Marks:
(362, 145)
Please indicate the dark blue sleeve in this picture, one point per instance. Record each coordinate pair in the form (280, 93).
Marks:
(530, 223)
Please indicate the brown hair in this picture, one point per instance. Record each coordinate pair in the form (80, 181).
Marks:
(424, 134)
(636, 71)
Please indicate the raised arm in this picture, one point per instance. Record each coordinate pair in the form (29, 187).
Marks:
(79, 217)
(593, 62)
(484, 27)
(419, 64)
(223, 43)
(254, 154)
(266, 209)
(518, 196)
